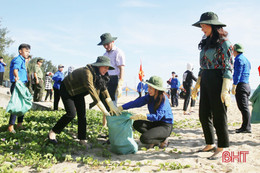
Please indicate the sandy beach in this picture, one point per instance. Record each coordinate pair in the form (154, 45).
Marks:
(185, 140)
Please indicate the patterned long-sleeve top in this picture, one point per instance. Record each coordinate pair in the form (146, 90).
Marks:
(218, 58)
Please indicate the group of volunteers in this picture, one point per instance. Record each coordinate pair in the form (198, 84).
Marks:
(103, 80)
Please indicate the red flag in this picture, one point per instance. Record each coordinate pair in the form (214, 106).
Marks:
(259, 70)
(141, 72)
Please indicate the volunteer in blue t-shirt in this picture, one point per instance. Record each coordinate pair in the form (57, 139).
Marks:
(156, 126)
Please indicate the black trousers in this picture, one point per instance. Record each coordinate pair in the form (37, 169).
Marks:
(112, 86)
(140, 94)
(56, 98)
(1, 78)
(73, 105)
(153, 132)
(187, 98)
(49, 93)
(242, 93)
(174, 97)
(212, 112)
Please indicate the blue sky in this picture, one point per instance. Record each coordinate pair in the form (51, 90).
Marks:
(157, 32)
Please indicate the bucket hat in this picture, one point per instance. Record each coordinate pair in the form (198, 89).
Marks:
(156, 82)
(209, 18)
(103, 61)
(106, 38)
(238, 47)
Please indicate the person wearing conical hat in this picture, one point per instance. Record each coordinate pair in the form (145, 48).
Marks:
(155, 126)
(215, 75)
(117, 59)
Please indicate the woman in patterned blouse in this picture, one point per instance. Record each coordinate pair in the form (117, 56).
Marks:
(214, 80)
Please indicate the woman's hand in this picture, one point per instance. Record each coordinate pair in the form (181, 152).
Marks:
(113, 108)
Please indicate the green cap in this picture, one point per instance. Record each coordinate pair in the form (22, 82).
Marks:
(106, 38)
(238, 47)
(103, 61)
(40, 60)
(209, 18)
(156, 82)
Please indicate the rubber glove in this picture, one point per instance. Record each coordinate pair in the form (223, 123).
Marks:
(121, 108)
(139, 117)
(225, 96)
(119, 88)
(195, 90)
(102, 108)
(113, 108)
(234, 89)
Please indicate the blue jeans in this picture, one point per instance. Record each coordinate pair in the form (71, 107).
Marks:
(13, 117)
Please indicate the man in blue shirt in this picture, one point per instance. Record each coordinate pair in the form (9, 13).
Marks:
(175, 84)
(140, 88)
(241, 88)
(2, 70)
(18, 72)
(58, 78)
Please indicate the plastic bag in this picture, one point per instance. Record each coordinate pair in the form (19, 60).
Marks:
(121, 134)
(20, 101)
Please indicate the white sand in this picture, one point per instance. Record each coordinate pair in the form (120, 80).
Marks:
(187, 141)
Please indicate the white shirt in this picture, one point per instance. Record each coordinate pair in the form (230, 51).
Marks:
(117, 58)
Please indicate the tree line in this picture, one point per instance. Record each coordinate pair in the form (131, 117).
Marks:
(6, 42)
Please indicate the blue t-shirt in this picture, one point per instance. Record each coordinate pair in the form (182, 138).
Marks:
(175, 83)
(163, 113)
(146, 88)
(242, 69)
(58, 77)
(140, 87)
(2, 67)
(19, 64)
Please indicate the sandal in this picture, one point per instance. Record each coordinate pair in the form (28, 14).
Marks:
(164, 144)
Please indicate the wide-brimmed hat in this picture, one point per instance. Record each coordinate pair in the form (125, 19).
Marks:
(156, 82)
(238, 47)
(106, 38)
(209, 18)
(103, 61)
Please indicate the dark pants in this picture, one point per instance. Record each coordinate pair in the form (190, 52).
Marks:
(56, 98)
(153, 132)
(112, 86)
(49, 93)
(212, 112)
(38, 91)
(13, 117)
(187, 98)
(140, 94)
(29, 86)
(73, 105)
(1, 78)
(192, 102)
(242, 93)
(174, 97)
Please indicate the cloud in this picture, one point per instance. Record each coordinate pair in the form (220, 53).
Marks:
(135, 3)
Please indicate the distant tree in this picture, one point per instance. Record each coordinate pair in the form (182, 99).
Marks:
(5, 42)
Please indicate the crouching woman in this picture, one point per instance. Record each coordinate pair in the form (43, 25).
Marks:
(156, 126)
(92, 80)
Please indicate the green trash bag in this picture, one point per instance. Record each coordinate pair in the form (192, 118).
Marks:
(20, 101)
(121, 134)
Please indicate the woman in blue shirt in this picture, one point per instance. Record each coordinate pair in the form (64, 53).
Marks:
(156, 126)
